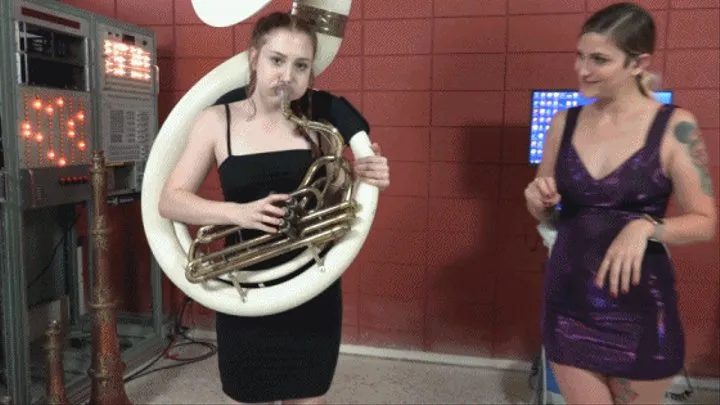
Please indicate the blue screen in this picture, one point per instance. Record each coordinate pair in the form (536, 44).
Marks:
(545, 103)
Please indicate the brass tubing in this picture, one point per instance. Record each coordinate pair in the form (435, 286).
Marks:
(106, 370)
(303, 228)
(242, 261)
(55, 375)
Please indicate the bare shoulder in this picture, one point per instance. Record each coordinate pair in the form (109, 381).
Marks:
(560, 115)
(558, 120)
(208, 124)
(557, 126)
(682, 114)
(682, 132)
(553, 138)
(682, 125)
(212, 116)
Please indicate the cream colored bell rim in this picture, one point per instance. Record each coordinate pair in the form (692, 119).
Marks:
(224, 13)
(169, 241)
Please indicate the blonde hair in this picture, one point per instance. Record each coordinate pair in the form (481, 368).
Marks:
(648, 83)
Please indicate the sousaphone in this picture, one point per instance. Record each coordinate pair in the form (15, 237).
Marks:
(171, 243)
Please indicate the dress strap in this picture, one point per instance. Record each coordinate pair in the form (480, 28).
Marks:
(657, 129)
(570, 123)
(227, 115)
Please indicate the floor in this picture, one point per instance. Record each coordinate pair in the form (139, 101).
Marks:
(359, 380)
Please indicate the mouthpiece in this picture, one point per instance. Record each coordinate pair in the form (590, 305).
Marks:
(283, 92)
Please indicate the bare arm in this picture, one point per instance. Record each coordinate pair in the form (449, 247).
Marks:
(179, 201)
(693, 190)
(547, 164)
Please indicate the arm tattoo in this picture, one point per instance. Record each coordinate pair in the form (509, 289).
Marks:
(687, 134)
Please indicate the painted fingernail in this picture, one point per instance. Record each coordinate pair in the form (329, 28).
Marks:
(625, 290)
(613, 294)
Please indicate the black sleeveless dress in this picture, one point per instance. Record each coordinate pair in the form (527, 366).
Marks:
(293, 354)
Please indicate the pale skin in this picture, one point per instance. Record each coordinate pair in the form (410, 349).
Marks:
(608, 132)
(284, 58)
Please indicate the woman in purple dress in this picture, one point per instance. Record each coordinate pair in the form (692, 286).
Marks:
(610, 323)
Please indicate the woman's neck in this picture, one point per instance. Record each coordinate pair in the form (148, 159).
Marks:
(264, 107)
(627, 100)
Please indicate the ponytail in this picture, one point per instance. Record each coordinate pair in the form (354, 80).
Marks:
(647, 83)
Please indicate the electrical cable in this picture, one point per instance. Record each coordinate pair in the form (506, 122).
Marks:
(686, 394)
(534, 373)
(179, 331)
(56, 249)
(178, 336)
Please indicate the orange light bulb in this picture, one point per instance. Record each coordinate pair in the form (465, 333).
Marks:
(27, 134)
(39, 137)
(49, 109)
(37, 104)
(82, 145)
(60, 102)
(62, 161)
(26, 125)
(81, 116)
(71, 134)
(51, 155)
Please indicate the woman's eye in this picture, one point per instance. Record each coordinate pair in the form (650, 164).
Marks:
(302, 66)
(276, 60)
(599, 60)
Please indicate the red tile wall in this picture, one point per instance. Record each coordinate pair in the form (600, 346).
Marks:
(453, 263)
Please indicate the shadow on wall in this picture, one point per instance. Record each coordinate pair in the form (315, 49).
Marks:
(462, 266)
(489, 275)
(522, 254)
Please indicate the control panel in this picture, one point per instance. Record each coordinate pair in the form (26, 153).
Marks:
(45, 187)
(54, 107)
(82, 82)
(55, 118)
(128, 60)
(128, 107)
(54, 129)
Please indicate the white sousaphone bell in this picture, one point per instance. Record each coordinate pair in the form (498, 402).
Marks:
(170, 242)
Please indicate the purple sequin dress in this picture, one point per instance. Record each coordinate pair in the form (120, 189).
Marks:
(638, 335)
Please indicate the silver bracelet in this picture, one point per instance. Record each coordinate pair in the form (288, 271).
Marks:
(659, 227)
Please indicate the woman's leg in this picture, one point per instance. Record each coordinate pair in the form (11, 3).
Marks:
(579, 386)
(252, 403)
(307, 401)
(626, 391)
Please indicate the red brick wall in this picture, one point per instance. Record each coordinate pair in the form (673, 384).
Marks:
(445, 85)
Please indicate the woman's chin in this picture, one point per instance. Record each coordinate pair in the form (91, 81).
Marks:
(588, 90)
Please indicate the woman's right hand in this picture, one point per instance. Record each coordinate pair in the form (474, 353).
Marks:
(542, 194)
(263, 214)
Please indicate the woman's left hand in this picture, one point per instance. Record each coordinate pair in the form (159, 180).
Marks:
(623, 259)
(373, 169)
